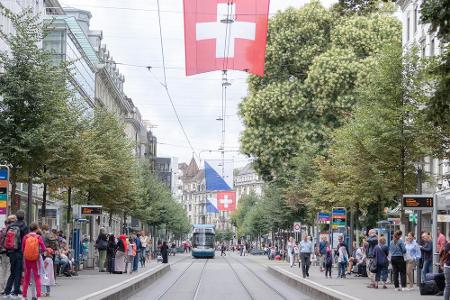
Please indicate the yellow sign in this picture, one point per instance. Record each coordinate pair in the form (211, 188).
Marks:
(443, 218)
(3, 204)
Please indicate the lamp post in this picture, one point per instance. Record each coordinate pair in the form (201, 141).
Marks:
(419, 168)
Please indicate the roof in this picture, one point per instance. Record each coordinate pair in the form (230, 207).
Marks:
(80, 36)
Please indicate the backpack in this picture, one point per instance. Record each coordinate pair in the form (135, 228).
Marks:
(12, 238)
(31, 250)
(51, 241)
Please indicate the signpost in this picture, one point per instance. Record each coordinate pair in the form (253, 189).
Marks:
(4, 192)
(323, 218)
(297, 228)
(338, 217)
(418, 202)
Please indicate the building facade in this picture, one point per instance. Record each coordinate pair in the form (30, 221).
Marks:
(247, 181)
(166, 169)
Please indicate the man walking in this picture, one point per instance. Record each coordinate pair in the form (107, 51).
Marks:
(13, 245)
(323, 247)
(305, 256)
(372, 242)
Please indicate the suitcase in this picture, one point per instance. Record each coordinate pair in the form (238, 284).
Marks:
(439, 278)
(428, 288)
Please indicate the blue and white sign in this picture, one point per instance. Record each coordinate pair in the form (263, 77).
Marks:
(219, 175)
(211, 206)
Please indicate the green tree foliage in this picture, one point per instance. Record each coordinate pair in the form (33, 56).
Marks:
(372, 159)
(358, 7)
(437, 14)
(246, 202)
(313, 62)
(35, 95)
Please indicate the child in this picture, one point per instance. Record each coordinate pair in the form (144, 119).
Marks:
(131, 253)
(328, 263)
(48, 278)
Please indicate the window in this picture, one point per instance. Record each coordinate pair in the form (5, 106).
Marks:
(415, 19)
(408, 21)
(432, 46)
(190, 207)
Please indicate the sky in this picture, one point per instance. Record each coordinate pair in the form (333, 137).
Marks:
(131, 33)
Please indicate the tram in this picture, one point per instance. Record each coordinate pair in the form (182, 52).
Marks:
(203, 241)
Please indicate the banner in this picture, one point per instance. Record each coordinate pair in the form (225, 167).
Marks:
(225, 35)
(219, 175)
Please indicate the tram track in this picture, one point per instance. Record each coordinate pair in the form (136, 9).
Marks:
(257, 276)
(239, 279)
(183, 273)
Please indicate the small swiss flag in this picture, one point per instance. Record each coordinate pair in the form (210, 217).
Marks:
(225, 35)
(226, 201)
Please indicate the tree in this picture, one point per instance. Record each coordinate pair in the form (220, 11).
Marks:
(246, 202)
(437, 14)
(35, 95)
(372, 159)
(313, 62)
(358, 7)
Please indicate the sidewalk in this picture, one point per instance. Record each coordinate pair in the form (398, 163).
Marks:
(90, 281)
(352, 287)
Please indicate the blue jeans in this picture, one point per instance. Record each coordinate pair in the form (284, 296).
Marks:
(427, 264)
(341, 270)
(136, 261)
(447, 283)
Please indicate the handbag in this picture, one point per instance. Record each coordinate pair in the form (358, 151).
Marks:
(373, 268)
(421, 263)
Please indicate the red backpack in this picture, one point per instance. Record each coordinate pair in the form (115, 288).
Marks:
(12, 238)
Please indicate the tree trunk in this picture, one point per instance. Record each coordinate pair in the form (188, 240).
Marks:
(13, 180)
(110, 218)
(69, 205)
(44, 199)
(30, 196)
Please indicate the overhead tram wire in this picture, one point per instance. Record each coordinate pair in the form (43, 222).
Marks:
(166, 88)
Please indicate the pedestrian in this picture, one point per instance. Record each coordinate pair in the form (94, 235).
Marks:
(328, 263)
(165, 252)
(412, 256)
(305, 256)
(380, 259)
(446, 263)
(32, 246)
(427, 255)
(291, 251)
(110, 253)
(441, 241)
(397, 250)
(222, 249)
(121, 251)
(4, 256)
(101, 244)
(131, 254)
(13, 245)
(322, 252)
(138, 246)
(144, 245)
(244, 249)
(372, 242)
(342, 254)
(48, 277)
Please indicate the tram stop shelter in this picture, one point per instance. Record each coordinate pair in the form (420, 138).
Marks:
(441, 208)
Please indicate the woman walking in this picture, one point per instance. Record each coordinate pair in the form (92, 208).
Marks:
(291, 251)
(397, 250)
(412, 256)
(165, 253)
(110, 253)
(120, 254)
(381, 252)
(101, 244)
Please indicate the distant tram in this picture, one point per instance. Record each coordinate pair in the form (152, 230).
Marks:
(203, 241)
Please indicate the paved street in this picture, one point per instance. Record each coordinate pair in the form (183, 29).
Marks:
(231, 277)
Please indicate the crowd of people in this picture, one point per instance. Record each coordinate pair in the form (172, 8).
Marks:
(374, 258)
(31, 257)
(123, 254)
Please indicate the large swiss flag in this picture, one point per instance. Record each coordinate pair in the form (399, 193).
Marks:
(226, 201)
(225, 35)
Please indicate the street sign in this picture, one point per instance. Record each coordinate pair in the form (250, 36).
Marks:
(338, 217)
(4, 192)
(418, 202)
(91, 210)
(323, 217)
(443, 218)
(297, 227)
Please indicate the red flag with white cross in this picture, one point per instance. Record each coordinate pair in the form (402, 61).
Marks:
(226, 201)
(225, 35)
